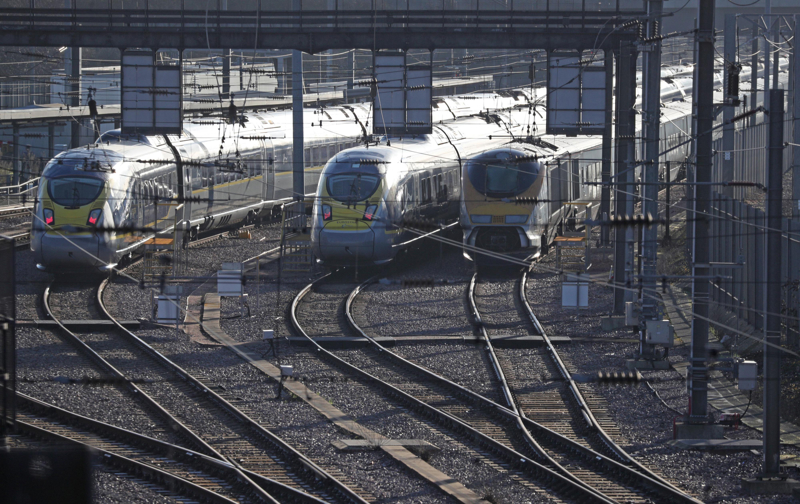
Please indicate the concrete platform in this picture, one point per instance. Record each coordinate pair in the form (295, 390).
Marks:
(700, 431)
(754, 486)
(80, 325)
(718, 445)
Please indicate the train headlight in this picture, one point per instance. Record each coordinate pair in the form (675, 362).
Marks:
(516, 219)
(369, 212)
(327, 214)
(481, 219)
(94, 217)
(49, 218)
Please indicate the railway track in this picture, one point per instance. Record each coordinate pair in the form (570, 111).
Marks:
(179, 471)
(626, 483)
(235, 436)
(549, 408)
(10, 213)
(486, 429)
(591, 406)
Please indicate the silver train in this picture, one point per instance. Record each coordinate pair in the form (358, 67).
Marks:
(99, 203)
(366, 193)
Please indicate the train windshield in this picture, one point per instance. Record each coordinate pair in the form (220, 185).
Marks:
(352, 186)
(74, 192)
(501, 178)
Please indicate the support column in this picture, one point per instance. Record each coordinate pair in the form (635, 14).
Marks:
(772, 341)
(226, 65)
(729, 109)
(74, 89)
(298, 165)
(605, 190)
(17, 162)
(72, 85)
(226, 74)
(623, 200)
(51, 141)
(754, 76)
(698, 370)
(652, 118)
(767, 49)
(795, 80)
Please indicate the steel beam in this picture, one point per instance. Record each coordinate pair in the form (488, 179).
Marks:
(772, 339)
(795, 80)
(652, 120)
(605, 190)
(298, 165)
(728, 111)
(698, 368)
(623, 199)
(754, 73)
(17, 162)
(314, 30)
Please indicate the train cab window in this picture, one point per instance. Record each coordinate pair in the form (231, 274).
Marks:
(73, 192)
(352, 186)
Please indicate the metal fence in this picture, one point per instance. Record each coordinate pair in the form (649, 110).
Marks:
(20, 194)
(739, 231)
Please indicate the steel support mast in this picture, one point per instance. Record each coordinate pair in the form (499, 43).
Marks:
(623, 197)
(298, 164)
(729, 108)
(605, 191)
(652, 119)
(772, 340)
(795, 80)
(698, 369)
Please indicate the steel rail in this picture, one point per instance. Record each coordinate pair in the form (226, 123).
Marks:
(655, 486)
(591, 457)
(171, 420)
(155, 475)
(591, 421)
(209, 465)
(509, 395)
(178, 426)
(523, 463)
(302, 464)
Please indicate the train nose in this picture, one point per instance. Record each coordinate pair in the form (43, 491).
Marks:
(58, 252)
(346, 246)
